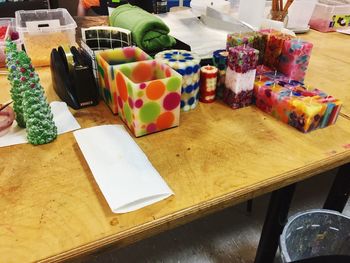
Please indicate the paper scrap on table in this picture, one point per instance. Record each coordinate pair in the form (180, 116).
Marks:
(63, 118)
(123, 172)
(344, 31)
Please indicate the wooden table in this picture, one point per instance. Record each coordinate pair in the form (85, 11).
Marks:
(52, 209)
(330, 58)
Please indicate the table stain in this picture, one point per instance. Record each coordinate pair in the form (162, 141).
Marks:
(114, 222)
(331, 153)
(346, 146)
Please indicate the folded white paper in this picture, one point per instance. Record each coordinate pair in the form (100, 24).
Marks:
(123, 172)
(62, 117)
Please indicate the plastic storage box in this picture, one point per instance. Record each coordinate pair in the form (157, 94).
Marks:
(43, 30)
(7, 26)
(331, 15)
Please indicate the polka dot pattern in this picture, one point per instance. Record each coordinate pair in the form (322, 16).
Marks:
(109, 63)
(186, 63)
(153, 97)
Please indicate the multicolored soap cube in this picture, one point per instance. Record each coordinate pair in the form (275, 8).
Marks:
(188, 65)
(149, 95)
(295, 57)
(240, 76)
(108, 63)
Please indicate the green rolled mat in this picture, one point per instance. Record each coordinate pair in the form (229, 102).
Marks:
(148, 31)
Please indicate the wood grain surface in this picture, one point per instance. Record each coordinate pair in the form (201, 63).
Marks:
(51, 208)
(329, 68)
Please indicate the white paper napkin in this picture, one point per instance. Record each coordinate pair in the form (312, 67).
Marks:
(62, 117)
(123, 172)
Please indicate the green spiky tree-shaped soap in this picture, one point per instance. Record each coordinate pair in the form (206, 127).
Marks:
(41, 128)
(20, 71)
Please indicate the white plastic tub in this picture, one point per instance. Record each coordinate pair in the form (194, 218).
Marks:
(330, 15)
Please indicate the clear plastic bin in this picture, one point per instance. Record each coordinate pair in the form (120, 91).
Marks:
(315, 233)
(43, 30)
(9, 24)
(330, 15)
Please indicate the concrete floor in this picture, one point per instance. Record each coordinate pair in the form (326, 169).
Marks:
(231, 235)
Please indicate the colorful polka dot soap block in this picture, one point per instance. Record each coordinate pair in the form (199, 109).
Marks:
(108, 64)
(149, 95)
(188, 65)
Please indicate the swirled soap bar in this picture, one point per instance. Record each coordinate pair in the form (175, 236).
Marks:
(188, 65)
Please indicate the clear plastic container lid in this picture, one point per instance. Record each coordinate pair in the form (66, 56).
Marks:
(44, 20)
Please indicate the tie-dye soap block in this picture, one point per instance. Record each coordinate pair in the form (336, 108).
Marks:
(255, 40)
(295, 58)
(274, 45)
(303, 109)
(149, 96)
(188, 65)
(108, 62)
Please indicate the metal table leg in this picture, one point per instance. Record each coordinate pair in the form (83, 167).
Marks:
(340, 191)
(275, 220)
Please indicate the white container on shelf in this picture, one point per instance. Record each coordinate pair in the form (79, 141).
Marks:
(331, 15)
(299, 14)
(43, 30)
(252, 12)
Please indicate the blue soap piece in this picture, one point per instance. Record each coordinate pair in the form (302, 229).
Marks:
(197, 96)
(181, 71)
(182, 60)
(191, 100)
(195, 68)
(189, 89)
(189, 70)
(196, 85)
(172, 60)
(186, 54)
(182, 104)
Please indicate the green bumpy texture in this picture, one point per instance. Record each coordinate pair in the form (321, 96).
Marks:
(148, 31)
(41, 128)
(20, 70)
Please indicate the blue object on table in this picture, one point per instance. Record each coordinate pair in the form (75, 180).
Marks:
(172, 3)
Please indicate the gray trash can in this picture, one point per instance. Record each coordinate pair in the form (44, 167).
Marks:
(313, 233)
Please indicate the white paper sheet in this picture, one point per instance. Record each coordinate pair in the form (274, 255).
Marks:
(344, 31)
(62, 117)
(123, 172)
